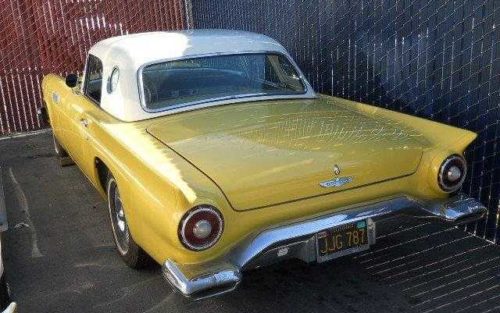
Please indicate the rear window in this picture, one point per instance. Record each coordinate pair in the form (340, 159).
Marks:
(197, 80)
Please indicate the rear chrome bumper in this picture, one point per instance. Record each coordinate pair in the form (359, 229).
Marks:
(297, 240)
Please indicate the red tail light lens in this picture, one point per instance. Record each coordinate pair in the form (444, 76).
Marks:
(201, 228)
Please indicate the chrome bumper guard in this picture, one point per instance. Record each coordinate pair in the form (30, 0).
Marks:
(297, 240)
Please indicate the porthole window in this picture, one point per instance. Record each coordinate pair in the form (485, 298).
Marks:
(113, 80)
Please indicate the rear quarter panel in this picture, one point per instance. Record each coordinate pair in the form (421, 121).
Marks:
(157, 186)
(445, 140)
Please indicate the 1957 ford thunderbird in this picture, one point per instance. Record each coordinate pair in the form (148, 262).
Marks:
(215, 156)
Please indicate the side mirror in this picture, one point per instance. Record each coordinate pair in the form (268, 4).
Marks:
(71, 80)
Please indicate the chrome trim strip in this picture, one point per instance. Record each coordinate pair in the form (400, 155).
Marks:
(296, 241)
(217, 103)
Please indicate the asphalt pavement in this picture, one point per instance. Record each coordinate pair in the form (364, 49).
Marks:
(60, 257)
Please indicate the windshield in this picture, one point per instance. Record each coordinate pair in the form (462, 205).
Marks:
(203, 79)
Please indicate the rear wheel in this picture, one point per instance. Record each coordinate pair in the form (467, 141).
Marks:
(130, 252)
(60, 152)
(64, 158)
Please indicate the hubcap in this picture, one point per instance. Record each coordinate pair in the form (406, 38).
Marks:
(118, 221)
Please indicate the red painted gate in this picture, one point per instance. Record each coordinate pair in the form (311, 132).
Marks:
(52, 36)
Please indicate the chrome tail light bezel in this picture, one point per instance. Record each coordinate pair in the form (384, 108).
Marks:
(452, 160)
(183, 227)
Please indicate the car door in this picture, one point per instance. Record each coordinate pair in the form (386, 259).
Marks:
(78, 105)
(57, 103)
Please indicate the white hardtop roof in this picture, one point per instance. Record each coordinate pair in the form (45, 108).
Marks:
(144, 48)
(130, 52)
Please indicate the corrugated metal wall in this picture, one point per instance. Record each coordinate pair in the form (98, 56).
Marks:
(53, 36)
(435, 59)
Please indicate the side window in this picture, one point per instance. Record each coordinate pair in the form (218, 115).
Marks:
(93, 79)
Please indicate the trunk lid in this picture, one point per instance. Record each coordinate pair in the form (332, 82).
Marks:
(265, 153)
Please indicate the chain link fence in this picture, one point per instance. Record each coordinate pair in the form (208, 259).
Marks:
(435, 59)
(53, 36)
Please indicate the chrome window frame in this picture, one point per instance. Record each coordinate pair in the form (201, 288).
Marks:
(213, 101)
(109, 82)
(86, 80)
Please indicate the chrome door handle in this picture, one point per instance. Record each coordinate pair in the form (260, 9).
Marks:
(84, 122)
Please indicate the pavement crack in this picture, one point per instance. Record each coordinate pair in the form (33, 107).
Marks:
(23, 202)
(21, 225)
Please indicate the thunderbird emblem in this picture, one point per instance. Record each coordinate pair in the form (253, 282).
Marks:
(336, 182)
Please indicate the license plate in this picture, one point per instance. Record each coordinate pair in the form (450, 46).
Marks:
(342, 240)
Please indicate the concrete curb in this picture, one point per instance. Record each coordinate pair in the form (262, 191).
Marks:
(26, 134)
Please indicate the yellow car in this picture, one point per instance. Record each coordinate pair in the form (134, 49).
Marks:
(216, 156)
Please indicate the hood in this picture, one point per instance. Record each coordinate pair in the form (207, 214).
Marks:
(265, 153)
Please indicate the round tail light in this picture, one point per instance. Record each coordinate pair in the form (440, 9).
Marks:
(452, 173)
(201, 227)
